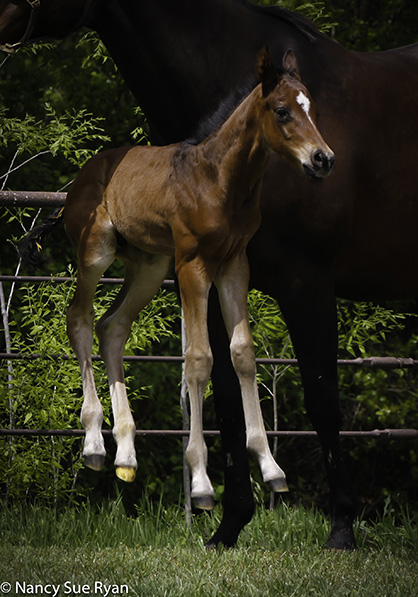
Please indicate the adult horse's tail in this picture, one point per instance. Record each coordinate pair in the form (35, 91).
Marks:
(30, 246)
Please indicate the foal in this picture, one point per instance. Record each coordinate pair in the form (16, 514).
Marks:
(200, 204)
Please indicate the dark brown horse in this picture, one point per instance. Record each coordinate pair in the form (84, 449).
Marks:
(199, 204)
(314, 238)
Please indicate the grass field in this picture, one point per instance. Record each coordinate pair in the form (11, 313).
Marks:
(102, 552)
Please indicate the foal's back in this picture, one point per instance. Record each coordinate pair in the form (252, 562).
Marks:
(150, 196)
(130, 189)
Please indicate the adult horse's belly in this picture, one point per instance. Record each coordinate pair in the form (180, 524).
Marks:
(380, 258)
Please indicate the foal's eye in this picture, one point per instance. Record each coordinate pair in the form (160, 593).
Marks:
(282, 114)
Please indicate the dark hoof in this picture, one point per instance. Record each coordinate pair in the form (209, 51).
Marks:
(222, 540)
(94, 461)
(205, 502)
(278, 485)
(220, 543)
(341, 539)
(211, 546)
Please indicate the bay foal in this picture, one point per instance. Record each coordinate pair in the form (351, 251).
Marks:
(200, 204)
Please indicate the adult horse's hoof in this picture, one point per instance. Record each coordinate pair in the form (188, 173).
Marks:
(126, 473)
(278, 485)
(341, 537)
(94, 461)
(204, 502)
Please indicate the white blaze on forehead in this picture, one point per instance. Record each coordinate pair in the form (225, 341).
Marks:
(305, 104)
(303, 101)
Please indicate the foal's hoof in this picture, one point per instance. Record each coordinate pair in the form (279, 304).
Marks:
(125, 473)
(278, 485)
(94, 461)
(204, 502)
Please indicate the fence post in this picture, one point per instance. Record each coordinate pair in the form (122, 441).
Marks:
(186, 427)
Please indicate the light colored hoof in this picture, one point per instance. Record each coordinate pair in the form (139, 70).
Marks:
(94, 461)
(125, 473)
(278, 485)
(204, 502)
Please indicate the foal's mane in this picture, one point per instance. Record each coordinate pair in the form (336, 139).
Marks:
(215, 120)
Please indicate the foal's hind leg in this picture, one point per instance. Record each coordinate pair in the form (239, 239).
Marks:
(232, 285)
(80, 318)
(144, 276)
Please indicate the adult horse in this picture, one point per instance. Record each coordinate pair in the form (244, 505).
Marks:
(314, 237)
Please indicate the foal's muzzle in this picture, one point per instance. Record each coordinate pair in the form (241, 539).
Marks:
(321, 164)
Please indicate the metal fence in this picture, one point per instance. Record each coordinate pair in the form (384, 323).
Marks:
(43, 199)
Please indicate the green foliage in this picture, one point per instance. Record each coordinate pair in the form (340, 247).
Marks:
(373, 26)
(360, 324)
(66, 133)
(45, 393)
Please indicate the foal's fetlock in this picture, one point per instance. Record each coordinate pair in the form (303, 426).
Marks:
(271, 472)
(278, 485)
(94, 451)
(204, 502)
(94, 461)
(274, 476)
(202, 491)
(203, 498)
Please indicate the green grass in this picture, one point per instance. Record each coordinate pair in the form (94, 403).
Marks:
(279, 553)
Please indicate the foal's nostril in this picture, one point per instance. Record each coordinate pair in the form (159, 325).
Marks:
(319, 159)
(322, 160)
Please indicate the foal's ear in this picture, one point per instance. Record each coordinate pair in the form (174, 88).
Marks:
(266, 71)
(290, 65)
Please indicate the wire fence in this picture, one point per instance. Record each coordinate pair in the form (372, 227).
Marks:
(43, 199)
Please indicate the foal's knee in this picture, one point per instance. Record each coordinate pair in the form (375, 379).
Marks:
(243, 357)
(198, 365)
(79, 323)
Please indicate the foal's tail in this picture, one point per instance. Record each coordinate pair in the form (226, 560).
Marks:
(30, 246)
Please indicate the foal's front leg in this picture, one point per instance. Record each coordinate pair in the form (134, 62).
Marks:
(232, 284)
(194, 284)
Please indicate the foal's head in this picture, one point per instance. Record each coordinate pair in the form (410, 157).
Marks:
(289, 117)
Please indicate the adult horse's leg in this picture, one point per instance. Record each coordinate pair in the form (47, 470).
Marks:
(232, 284)
(195, 282)
(238, 500)
(144, 276)
(310, 312)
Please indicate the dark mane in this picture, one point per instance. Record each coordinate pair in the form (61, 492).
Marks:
(301, 23)
(215, 120)
(212, 122)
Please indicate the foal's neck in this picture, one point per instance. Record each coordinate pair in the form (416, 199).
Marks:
(238, 149)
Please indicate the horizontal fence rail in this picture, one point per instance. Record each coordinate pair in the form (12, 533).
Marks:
(51, 199)
(370, 362)
(377, 433)
(31, 199)
(39, 279)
